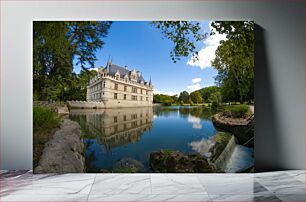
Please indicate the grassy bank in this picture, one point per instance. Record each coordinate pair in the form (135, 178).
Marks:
(45, 122)
(236, 111)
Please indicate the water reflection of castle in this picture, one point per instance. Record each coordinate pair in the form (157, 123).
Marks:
(115, 127)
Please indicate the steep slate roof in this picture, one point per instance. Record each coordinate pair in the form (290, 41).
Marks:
(122, 71)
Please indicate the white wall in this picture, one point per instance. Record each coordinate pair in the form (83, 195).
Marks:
(280, 67)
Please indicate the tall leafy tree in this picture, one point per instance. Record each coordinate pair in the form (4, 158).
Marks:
(196, 97)
(56, 45)
(184, 97)
(235, 60)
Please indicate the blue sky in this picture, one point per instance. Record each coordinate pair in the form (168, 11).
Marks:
(140, 45)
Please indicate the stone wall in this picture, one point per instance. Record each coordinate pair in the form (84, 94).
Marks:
(107, 104)
(242, 129)
(64, 152)
(85, 105)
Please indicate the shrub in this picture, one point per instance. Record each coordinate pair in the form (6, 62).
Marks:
(44, 118)
(237, 111)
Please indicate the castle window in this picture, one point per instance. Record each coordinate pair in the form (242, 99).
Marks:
(147, 99)
(134, 90)
(141, 91)
(134, 97)
(124, 96)
(124, 88)
(124, 118)
(116, 86)
(115, 95)
(147, 92)
(115, 119)
(141, 98)
(104, 84)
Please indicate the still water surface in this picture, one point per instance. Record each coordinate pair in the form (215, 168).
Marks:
(115, 134)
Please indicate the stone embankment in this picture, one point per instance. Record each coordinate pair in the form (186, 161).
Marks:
(62, 110)
(85, 105)
(64, 152)
(243, 129)
(221, 159)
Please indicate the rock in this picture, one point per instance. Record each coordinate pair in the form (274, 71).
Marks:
(128, 165)
(63, 153)
(243, 129)
(176, 162)
(62, 111)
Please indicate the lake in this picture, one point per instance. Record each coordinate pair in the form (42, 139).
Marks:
(112, 135)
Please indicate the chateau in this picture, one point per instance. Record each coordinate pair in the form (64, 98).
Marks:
(116, 86)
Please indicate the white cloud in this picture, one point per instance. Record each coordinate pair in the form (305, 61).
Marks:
(207, 53)
(165, 93)
(196, 122)
(194, 87)
(95, 68)
(196, 80)
(203, 146)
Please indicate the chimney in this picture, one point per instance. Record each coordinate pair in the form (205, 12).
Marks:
(126, 67)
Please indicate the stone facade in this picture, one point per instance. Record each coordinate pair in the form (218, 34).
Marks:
(116, 86)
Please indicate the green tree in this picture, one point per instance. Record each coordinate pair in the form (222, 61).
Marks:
(196, 97)
(235, 60)
(215, 99)
(184, 35)
(207, 91)
(184, 97)
(56, 46)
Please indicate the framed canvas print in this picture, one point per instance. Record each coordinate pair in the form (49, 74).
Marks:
(143, 96)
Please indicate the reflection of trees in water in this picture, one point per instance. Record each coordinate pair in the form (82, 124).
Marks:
(200, 112)
(90, 157)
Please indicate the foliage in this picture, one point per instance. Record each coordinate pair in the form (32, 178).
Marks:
(165, 100)
(56, 45)
(45, 120)
(183, 34)
(207, 91)
(184, 97)
(235, 60)
(196, 97)
(236, 111)
(215, 99)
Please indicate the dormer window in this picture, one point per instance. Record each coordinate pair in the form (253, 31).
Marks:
(126, 78)
(117, 75)
(134, 75)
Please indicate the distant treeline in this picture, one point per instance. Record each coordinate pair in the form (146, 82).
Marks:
(204, 95)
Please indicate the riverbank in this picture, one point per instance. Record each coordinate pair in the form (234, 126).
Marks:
(64, 152)
(242, 128)
(56, 140)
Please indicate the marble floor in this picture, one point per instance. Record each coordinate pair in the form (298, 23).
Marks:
(270, 186)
